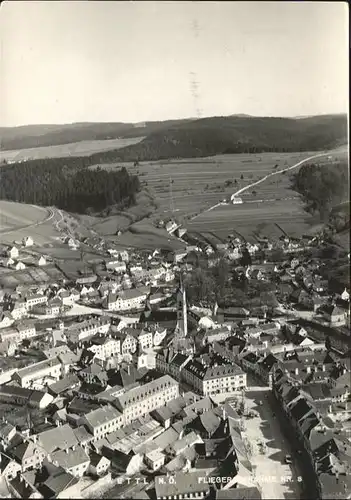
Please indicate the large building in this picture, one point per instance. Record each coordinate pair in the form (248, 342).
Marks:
(102, 421)
(125, 300)
(88, 328)
(211, 380)
(49, 368)
(142, 400)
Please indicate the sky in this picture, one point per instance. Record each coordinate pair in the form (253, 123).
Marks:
(79, 61)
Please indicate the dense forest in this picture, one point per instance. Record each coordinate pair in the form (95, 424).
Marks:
(66, 184)
(191, 138)
(323, 186)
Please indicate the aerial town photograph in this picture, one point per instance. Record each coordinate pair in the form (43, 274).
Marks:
(175, 250)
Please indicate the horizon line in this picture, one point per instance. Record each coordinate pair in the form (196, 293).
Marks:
(239, 115)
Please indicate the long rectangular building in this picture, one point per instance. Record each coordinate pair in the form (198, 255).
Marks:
(146, 398)
(47, 368)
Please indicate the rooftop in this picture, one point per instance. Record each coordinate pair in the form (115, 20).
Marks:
(139, 393)
(102, 415)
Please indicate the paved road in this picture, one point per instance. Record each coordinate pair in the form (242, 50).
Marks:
(249, 186)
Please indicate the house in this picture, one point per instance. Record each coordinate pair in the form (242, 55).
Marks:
(236, 200)
(9, 468)
(345, 295)
(334, 315)
(26, 330)
(29, 455)
(19, 266)
(7, 433)
(58, 483)
(18, 309)
(141, 335)
(74, 461)
(102, 421)
(116, 265)
(99, 464)
(68, 297)
(37, 299)
(126, 463)
(213, 380)
(8, 348)
(177, 364)
(49, 368)
(13, 252)
(27, 241)
(88, 328)
(41, 261)
(105, 346)
(125, 300)
(94, 374)
(155, 459)
(8, 262)
(23, 396)
(6, 320)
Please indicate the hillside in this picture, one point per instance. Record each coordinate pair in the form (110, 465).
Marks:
(74, 188)
(33, 136)
(232, 135)
(190, 137)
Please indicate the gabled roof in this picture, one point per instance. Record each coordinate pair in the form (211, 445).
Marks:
(60, 438)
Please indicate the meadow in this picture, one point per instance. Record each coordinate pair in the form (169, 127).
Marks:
(16, 215)
(82, 148)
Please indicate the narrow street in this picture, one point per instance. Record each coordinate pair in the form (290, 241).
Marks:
(276, 478)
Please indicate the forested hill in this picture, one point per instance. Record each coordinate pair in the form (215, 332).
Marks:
(228, 135)
(32, 136)
(323, 187)
(189, 137)
(70, 187)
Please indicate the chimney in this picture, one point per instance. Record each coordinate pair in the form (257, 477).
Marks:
(296, 371)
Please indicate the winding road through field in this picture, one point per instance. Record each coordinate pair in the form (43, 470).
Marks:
(249, 186)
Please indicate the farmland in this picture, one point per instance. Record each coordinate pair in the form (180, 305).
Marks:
(269, 209)
(193, 186)
(17, 215)
(199, 183)
(82, 148)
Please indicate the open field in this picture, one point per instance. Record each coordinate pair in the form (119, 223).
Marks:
(82, 148)
(144, 235)
(110, 224)
(16, 215)
(269, 209)
(198, 183)
(251, 219)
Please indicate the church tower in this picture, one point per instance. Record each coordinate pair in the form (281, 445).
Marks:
(182, 319)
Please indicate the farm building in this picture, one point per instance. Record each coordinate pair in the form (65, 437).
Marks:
(27, 241)
(236, 200)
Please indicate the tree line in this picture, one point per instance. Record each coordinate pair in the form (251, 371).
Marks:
(322, 186)
(67, 184)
